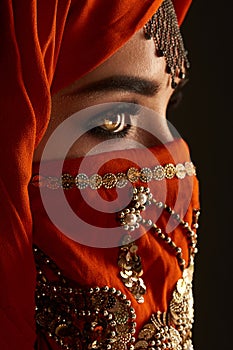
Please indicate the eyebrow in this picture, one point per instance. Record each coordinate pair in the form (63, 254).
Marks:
(126, 83)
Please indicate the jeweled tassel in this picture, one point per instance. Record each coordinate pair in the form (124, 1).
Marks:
(131, 269)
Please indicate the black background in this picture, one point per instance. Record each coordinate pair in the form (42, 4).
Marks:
(204, 120)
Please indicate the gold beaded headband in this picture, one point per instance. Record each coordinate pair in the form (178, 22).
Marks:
(164, 29)
(120, 180)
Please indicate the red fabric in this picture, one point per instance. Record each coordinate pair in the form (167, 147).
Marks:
(89, 266)
(40, 44)
(83, 47)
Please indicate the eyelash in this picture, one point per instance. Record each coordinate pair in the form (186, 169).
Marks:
(125, 111)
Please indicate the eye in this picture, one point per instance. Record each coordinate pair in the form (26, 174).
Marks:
(116, 122)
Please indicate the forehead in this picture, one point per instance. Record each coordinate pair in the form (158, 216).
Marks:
(136, 58)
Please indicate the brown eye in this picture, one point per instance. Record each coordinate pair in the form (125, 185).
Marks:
(114, 123)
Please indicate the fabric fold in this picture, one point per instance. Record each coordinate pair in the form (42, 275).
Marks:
(40, 44)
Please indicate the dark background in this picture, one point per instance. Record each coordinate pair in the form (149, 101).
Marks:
(204, 119)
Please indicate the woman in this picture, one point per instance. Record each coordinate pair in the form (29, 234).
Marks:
(115, 272)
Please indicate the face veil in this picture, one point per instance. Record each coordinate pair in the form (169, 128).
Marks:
(126, 234)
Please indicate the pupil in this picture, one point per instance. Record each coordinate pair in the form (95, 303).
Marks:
(114, 123)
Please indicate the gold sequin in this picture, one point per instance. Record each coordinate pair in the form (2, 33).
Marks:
(146, 175)
(133, 174)
(159, 173)
(95, 181)
(67, 181)
(53, 183)
(109, 180)
(170, 171)
(121, 180)
(180, 171)
(190, 168)
(81, 181)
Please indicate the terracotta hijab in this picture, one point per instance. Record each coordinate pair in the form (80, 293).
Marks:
(45, 45)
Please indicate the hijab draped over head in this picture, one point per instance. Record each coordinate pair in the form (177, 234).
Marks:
(45, 46)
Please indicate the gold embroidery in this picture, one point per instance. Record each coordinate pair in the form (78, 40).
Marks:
(94, 318)
(120, 180)
(102, 318)
(130, 219)
(171, 329)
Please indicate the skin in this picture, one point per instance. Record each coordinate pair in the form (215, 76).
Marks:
(110, 82)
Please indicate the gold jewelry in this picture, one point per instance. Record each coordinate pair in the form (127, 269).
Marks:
(119, 180)
(130, 218)
(164, 29)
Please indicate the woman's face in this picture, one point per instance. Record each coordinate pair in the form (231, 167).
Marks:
(134, 74)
